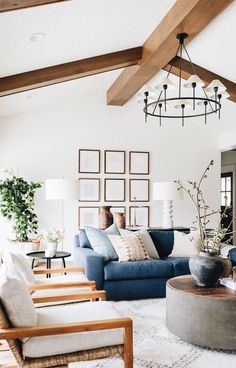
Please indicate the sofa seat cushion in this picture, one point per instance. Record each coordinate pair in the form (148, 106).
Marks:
(180, 265)
(138, 270)
(68, 343)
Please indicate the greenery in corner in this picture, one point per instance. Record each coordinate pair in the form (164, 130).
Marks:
(17, 205)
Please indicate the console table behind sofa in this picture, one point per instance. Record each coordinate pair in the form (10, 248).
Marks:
(131, 280)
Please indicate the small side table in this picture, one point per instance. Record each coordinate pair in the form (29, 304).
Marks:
(41, 255)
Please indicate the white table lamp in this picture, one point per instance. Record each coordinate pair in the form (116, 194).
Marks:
(62, 189)
(166, 191)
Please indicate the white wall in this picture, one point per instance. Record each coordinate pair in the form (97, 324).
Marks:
(44, 144)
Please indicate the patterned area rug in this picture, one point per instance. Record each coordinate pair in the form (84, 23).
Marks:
(156, 347)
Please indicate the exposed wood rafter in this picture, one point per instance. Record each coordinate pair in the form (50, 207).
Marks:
(190, 16)
(206, 75)
(8, 5)
(68, 71)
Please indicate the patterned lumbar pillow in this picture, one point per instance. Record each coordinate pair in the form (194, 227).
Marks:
(185, 245)
(129, 248)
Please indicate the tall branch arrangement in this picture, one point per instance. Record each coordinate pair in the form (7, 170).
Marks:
(211, 242)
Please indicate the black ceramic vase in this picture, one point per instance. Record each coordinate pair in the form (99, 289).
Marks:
(206, 269)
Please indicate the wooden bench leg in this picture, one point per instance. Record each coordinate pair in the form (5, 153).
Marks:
(128, 346)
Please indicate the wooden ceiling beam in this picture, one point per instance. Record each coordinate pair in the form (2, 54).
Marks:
(68, 71)
(8, 5)
(206, 75)
(190, 16)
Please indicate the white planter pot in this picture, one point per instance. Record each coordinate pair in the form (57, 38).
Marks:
(51, 249)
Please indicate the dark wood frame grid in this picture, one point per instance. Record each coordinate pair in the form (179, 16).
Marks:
(83, 207)
(105, 190)
(148, 162)
(131, 199)
(106, 160)
(138, 207)
(99, 161)
(99, 190)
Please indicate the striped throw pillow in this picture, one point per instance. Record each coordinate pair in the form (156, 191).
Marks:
(186, 245)
(129, 248)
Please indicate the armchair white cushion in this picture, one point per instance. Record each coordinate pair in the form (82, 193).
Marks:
(61, 344)
(16, 299)
(21, 264)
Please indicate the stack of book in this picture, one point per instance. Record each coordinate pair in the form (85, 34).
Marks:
(228, 282)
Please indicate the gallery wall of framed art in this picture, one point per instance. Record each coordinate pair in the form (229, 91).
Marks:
(116, 178)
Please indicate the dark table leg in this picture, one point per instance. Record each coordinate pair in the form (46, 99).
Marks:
(64, 263)
(49, 266)
(32, 266)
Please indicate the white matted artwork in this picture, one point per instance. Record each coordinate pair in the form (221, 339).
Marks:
(114, 190)
(114, 162)
(139, 216)
(88, 216)
(139, 162)
(89, 161)
(139, 190)
(89, 190)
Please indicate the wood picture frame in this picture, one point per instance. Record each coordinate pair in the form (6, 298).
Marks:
(139, 216)
(88, 216)
(114, 190)
(139, 162)
(114, 162)
(89, 161)
(89, 189)
(139, 190)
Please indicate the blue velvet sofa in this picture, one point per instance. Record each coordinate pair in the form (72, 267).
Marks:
(131, 280)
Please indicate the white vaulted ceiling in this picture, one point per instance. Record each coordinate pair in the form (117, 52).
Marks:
(82, 28)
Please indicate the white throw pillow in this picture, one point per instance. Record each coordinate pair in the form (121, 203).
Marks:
(129, 248)
(22, 265)
(186, 245)
(147, 241)
(16, 300)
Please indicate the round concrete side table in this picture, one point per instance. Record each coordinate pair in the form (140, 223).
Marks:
(205, 317)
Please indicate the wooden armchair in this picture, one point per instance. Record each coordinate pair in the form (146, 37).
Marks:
(12, 335)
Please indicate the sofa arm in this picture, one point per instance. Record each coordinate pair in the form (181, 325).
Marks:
(93, 264)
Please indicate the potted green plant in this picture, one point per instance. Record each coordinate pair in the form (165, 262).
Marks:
(17, 206)
(207, 267)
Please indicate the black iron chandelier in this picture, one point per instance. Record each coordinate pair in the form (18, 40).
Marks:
(202, 102)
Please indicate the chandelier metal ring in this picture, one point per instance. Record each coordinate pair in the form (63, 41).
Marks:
(162, 115)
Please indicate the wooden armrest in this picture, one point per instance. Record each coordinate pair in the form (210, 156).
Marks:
(107, 324)
(59, 270)
(101, 294)
(63, 285)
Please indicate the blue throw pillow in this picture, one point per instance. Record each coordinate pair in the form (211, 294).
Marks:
(83, 240)
(101, 243)
(232, 256)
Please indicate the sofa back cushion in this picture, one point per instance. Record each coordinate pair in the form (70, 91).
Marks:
(163, 241)
(81, 240)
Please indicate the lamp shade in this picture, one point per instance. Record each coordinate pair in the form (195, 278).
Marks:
(215, 84)
(62, 189)
(166, 190)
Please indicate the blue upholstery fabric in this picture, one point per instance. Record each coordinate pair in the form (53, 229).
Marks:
(93, 264)
(163, 241)
(135, 289)
(138, 270)
(180, 265)
(83, 240)
(232, 256)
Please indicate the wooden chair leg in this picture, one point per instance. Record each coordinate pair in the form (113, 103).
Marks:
(128, 346)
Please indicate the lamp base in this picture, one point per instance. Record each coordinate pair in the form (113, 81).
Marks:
(167, 221)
